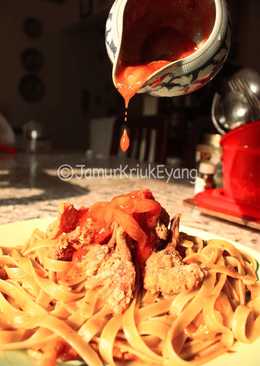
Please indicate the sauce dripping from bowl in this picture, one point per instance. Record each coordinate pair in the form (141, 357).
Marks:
(130, 79)
(124, 141)
(155, 35)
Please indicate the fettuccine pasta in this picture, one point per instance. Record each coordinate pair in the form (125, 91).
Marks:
(56, 310)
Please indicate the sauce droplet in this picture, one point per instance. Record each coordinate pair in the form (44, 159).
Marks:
(124, 141)
(126, 115)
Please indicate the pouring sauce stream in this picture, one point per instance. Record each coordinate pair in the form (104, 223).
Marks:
(154, 36)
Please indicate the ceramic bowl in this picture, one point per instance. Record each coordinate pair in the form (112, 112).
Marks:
(182, 76)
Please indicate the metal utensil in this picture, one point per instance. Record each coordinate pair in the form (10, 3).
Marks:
(251, 79)
(239, 103)
(241, 86)
(230, 111)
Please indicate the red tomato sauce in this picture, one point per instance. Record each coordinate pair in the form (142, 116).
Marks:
(124, 141)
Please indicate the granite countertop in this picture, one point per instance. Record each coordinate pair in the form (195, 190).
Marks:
(30, 188)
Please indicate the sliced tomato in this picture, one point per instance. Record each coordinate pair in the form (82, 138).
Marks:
(103, 235)
(139, 202)
(136, 212)
(134, 230)
(142, 194)
(68, 220)
(145, 194)
(83, 215)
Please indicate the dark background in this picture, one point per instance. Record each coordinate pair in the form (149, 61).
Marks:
(54, 70)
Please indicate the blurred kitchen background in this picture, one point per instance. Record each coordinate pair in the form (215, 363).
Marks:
(56, 80)
(58, 106)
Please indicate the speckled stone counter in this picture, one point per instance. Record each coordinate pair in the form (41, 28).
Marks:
(30, 188)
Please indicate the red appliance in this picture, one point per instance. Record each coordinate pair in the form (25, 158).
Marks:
(240, 196)
(7, 149)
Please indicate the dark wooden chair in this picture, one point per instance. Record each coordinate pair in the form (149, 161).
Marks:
(148, 136)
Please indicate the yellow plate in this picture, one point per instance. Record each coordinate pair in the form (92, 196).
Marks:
(16, 234)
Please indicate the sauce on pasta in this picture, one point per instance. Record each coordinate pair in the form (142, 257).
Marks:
(58, 306)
